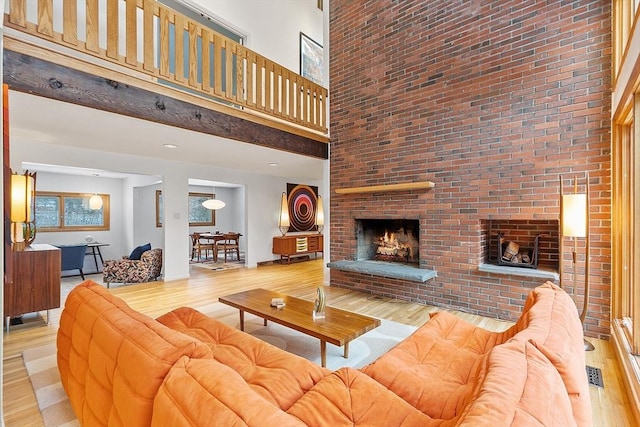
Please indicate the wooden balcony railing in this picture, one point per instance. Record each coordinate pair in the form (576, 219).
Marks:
(148, 37)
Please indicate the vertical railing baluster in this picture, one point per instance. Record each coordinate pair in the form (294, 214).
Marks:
(18, 12)
(239, 53)
(164, 43)
(131, 23)
(217, 65)
(179, 48)
(93, 26)
(206, 60)
(70, 22)
(250, 78)
(228, 74)
(113, 28)
(193, 55)
(260, 76)
(45, 17)
(148, 36)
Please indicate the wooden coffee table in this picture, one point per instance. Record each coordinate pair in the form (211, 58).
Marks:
(338, 327)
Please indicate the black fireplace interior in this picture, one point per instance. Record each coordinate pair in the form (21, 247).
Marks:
(394, 240)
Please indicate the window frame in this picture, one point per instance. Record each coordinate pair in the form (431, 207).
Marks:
(160, 203)
(106, 212)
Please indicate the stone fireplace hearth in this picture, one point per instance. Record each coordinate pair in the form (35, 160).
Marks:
(386, 248)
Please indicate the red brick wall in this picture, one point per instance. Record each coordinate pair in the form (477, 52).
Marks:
(491, 101)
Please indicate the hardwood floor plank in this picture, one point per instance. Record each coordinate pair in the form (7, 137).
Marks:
(611, 406)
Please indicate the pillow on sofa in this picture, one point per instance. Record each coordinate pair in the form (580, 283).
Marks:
(137, 252)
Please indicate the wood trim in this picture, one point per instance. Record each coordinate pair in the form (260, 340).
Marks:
(629, 368)
(387, 187)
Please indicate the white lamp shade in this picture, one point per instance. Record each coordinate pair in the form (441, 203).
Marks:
(284, 212)
(319, 212)
(22, 187)
(214, 204)
(95, 202)
(574, 215)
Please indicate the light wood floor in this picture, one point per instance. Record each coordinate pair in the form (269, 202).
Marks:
(610, 404)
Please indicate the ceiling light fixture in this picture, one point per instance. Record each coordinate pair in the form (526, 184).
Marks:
(170, 146)
(95, 201)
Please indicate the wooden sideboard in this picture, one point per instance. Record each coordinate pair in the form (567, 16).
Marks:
(35, 282)
(295, 245)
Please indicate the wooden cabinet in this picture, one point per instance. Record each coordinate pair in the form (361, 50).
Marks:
(288, 246)
(34, 284)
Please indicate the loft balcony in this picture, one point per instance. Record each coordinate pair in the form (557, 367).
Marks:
(154, 63)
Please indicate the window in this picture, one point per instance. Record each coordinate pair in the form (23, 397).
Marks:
(198, 214)
(70, 212)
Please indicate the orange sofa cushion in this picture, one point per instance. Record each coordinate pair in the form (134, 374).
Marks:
(208, 393)
(550, 320)
(442, 355)
(278, 376)
(432, 369)
(112, 359)
(516, 385)
(347, 397)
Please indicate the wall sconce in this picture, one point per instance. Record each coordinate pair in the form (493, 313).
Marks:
(283, 221)
(574, 223)
(23, 209)
(319, 215)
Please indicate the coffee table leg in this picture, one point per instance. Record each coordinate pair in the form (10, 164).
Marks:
(241, 320)
(323, 353)
(265, 322)
(346, 350)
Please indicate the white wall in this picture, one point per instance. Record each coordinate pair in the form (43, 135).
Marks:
(75, 184)
(273, 27)
(259, 200)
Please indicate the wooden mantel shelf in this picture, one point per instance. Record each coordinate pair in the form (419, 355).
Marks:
(387, 187)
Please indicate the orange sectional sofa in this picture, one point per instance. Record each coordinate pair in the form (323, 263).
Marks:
(120, 367)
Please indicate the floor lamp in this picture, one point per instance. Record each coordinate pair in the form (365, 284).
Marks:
(574, 223)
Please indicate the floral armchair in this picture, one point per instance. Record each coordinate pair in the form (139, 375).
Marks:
(134, 271)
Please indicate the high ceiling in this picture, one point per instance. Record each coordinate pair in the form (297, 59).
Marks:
(47, 121)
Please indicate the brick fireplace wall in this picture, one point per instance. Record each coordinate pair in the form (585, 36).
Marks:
(492, 101)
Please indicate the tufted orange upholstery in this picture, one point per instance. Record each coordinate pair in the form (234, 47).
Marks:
(208, 393)
(349, 398)
(444, 354)
(516, 385)
(280, 377)
(113, 359)
(121, 368)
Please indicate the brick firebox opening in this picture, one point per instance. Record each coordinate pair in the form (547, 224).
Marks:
(524, 233)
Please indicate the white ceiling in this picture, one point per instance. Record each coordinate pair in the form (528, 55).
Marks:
(47, 121)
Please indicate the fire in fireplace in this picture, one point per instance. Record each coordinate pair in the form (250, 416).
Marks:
(395, 240)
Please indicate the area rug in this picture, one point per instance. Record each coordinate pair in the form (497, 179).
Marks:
(217, 266)
(43, 372)
(56, 408)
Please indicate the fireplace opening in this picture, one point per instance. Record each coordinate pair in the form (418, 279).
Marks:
(392, 240)
(530, 244)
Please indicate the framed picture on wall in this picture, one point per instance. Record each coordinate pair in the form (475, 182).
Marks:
(311, 60)
(302, 200)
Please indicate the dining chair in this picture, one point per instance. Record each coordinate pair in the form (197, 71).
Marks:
(229, 244)
(198, 246)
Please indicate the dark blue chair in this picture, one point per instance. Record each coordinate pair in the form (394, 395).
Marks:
(73, 257)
